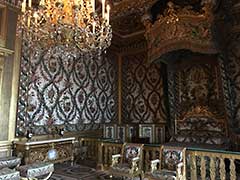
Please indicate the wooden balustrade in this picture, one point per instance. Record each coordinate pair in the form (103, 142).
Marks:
(211, 164)
(92, 145)
(201, 163)
(150, 152)
(110, 149)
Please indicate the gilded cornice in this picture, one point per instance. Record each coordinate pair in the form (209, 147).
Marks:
(129, 44)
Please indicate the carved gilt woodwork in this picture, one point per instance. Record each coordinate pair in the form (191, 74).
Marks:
(179, 28)
(36, 151)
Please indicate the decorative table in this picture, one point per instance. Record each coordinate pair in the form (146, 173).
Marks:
(38, 150)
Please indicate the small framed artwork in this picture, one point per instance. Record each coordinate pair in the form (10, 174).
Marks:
(109, 131)
(131, 132)
(160, 134)
(147, 131)
(121, 133)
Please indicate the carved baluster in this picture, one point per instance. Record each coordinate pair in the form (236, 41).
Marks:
(110, 155)
(96, 149)
(203, 168)
(212, 168)
(86, 144)
(100, 156)
(105, 155)
(232, 170)
(154, 155)
(92, 150)
(193, 167)
(222, 169)
(147, 160)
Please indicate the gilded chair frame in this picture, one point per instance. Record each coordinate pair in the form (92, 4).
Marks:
(180, 168)
(136, 168)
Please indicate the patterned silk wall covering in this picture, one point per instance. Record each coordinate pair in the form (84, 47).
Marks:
(198, 103)
(55, 89)
(143, 94)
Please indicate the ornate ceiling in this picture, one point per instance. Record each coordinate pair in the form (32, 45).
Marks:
(126, 16)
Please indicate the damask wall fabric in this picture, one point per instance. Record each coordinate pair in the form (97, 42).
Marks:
(78, 93)
(232, 68)
(143, 93)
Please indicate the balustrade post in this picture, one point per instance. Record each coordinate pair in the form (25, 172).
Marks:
(203, 168)
(147, 160)
(212, 168)
(193, 168)
(232, 170)
(100, 156)
(105, 155)
(222, 169)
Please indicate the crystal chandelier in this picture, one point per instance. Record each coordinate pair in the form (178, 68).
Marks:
(72, 24)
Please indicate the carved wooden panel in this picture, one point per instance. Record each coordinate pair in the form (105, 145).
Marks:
(32, 152)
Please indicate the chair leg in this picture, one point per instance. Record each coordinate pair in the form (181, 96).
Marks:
(142, 176)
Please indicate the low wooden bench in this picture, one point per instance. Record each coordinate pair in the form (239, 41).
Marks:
(36, 171)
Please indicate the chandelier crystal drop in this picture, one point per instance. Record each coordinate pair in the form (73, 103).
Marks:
(72, 24)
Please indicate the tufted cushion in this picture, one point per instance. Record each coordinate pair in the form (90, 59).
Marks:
(9, 174)
(122, 168)
(131, 151)
(35, 170)
(171, 158)
(164, 175)
(10, 162)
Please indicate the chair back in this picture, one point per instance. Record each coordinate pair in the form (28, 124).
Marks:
(130, 151)
(171, 157)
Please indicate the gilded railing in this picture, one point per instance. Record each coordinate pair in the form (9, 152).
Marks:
(201, 163)
(150, 152)
(107, 149)
(212, 164)
(91, 145)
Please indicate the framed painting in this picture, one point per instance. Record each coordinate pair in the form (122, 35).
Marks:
(109, 131)
(132, 131)
(147, 131)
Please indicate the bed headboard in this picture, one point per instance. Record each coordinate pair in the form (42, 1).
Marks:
(199, 121)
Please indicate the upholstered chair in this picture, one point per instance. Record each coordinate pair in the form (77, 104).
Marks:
(129, 162)
(170, 166)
